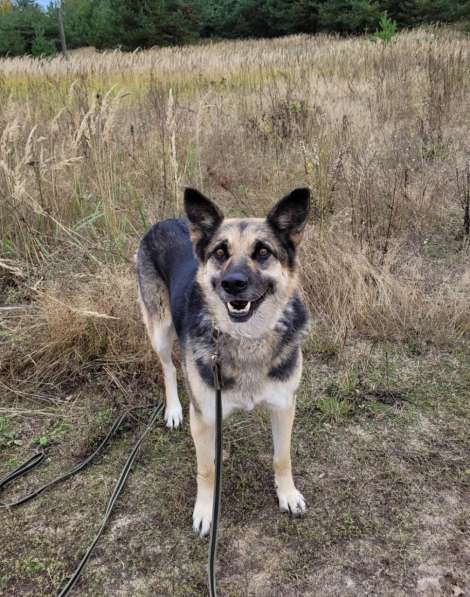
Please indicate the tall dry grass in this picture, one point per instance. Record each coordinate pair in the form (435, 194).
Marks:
(93, 150)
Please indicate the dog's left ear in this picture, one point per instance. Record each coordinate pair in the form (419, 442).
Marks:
(204, 219)
(289, 216)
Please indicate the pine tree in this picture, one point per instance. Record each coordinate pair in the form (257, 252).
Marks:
(348, 16)
(404, 12)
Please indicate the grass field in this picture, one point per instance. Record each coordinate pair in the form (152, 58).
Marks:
(92, 151)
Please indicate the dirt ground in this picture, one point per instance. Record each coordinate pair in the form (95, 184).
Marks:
(381, 453)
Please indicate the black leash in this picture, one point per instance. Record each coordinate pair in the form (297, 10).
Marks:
(33, 462)
(39, 457)
(218, 474)
(112, 500)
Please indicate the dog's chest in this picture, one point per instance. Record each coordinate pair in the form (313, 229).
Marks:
(254, 371)
(245, 369)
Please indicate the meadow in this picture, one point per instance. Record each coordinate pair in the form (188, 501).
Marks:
(95, 149)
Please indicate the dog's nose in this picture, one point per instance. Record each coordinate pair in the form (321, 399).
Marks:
(235, 283)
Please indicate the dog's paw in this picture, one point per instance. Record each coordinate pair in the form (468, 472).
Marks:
(293, 502)
(173, 416)
(202, 518)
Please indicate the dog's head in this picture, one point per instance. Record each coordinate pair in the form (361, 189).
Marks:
(247, 266)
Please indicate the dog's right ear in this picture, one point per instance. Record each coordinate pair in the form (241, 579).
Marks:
(204, 219)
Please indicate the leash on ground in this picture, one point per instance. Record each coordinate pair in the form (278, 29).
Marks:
(39, 457)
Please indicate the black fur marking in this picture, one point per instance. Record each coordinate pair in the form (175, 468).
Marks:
(204, 217)
(241, 267)
(197, 321)
(205, 371)
(202, 244)
(288, 246)
(291, 212)
(293, 323)
(242, 226)
(284, 369)
(288, 218)
(200, 329)
(168, 247)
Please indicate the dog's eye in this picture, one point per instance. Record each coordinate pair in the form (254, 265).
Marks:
(262, 253)
(220, 253)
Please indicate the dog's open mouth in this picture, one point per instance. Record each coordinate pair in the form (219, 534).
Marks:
(243, 310)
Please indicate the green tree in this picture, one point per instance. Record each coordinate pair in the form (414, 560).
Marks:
(305, 16)
(387, 31)
(41, 46)
(348, 16)
(280, 16)
(25, 29)
(143, 23)
(403, 12)
(78, 21)
(444, 11)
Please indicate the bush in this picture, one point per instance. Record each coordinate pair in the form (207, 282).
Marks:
(42, 46)
(388, 30)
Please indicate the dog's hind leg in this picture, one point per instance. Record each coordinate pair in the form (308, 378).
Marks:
(162, 335)
(162, 338)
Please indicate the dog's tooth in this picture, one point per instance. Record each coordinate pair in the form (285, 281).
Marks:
(243, 311)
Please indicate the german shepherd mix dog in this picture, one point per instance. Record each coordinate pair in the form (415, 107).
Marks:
(236, 276)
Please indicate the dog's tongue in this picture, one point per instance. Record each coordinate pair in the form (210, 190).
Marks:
(239, 305)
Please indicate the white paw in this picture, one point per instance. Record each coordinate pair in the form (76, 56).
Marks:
(173, 416)
(292, 501)
(202, 517)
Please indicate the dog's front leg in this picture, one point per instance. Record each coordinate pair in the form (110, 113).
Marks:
(204, 437)
(290, 499)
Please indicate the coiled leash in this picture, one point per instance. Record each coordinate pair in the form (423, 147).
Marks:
(40, 456)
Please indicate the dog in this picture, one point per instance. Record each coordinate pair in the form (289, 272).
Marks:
(239, 277)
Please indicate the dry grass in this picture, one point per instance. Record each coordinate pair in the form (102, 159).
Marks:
(94, 150)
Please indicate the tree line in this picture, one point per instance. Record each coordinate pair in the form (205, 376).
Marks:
(26, 28)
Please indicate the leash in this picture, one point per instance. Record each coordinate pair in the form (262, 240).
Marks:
(37, 458)
(218, 467)
(112, 500)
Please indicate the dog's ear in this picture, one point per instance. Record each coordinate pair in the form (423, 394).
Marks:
(204, 219)
(289, 216)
